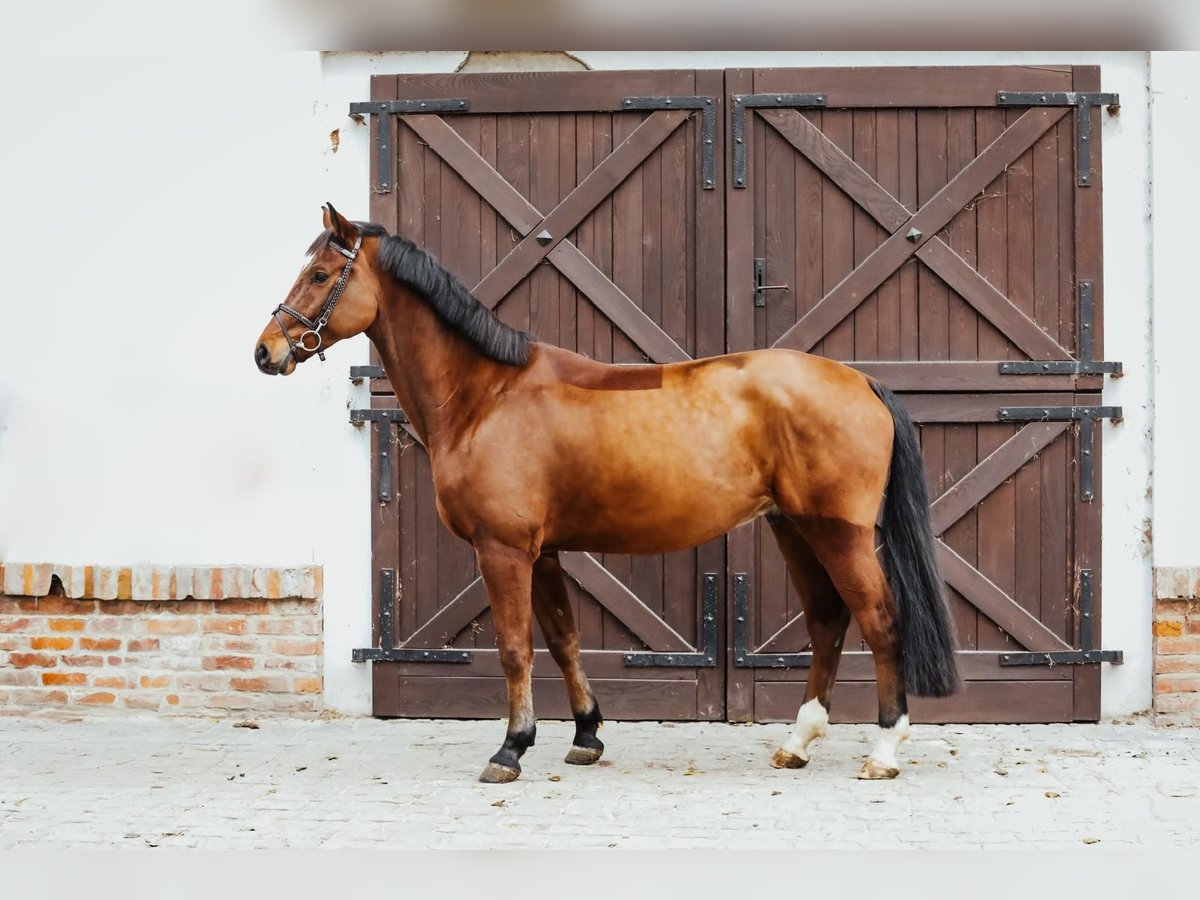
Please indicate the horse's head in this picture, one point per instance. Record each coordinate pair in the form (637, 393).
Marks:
(336, 296)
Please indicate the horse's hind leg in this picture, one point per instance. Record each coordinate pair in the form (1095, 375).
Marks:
(553, 611)
(827, 618)
(507, 574)
(848, 554)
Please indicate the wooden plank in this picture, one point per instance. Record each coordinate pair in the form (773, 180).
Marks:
(443, 627)
(547, 92)
(1004, 462)
(919, 86)
(469, 697)
(838, 262)
(859, 665)
(619, 600)
(996, 604)
(567, 215)
(978, 702)
(931, 218)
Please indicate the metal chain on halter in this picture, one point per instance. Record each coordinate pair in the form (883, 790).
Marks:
(315, 328)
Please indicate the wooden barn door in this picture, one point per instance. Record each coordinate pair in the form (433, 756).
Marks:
(587, 208)
(940, 229)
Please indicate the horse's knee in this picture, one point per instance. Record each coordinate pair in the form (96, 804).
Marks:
(514, 658)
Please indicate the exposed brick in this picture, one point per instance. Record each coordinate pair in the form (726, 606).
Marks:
(64, 678)
(170, 626)
(109, 681)
(7, 625)
(243, 607)
(103, 644)
(272, 625)
(67, 624)
(307, 685)
(259, 683)
(1175, 703)
(1170, 646)
(83, 662)
(173, 699)
(100, 698)
(154, 681)
(139, 700)
(223, 625)
(13, 643)
(51, 643)
(1164, 665)
(228, 662)
(298, 647)
(21, 660)
(141, 645)
(292, 663)
(237, 645)
(62, 606)
(122, 608)
(18, 676)
(1177, 684)
(1167, 629)
(307, 703)
(110, 625)
(231, 701)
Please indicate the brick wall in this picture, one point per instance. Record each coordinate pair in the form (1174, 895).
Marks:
(1177, 645)
(238, 650)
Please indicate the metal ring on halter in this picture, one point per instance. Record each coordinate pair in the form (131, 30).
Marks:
(303, 346)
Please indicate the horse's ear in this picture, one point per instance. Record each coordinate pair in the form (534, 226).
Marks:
(343, 231)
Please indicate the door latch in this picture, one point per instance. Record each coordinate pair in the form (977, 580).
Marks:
(760, 285)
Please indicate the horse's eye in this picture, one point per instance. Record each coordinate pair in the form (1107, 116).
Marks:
(320, 277)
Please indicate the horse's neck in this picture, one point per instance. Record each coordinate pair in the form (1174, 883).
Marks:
(439, 377)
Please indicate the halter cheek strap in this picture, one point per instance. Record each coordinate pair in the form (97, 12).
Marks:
(316, 326)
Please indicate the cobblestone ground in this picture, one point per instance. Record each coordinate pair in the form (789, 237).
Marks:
(108, 782)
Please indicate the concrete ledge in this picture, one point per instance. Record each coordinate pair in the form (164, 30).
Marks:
(161, 582)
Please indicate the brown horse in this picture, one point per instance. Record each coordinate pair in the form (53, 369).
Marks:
(530, 444)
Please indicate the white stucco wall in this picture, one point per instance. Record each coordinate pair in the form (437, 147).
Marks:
(157, 226)
(1175, 98)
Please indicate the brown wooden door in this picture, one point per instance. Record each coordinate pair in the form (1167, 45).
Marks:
(923, 228)
(587, 208)
(926, 231)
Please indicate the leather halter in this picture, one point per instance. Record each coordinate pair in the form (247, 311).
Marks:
(315, 326)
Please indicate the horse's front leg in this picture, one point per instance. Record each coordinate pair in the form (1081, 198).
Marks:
(507, 574)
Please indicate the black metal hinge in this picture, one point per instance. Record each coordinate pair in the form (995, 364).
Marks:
(384, 110)
(742, 102)
(1085, 365)
(742, 657)
(1086, 654)
(358, 373)
(707, 655)
(387, 418)
(1083, 103)
(387, 651)
(1087, 416)
(708, 128)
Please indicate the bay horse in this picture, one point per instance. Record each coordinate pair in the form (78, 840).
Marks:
(531, 452)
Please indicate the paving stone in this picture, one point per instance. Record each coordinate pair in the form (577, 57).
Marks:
(97, 781)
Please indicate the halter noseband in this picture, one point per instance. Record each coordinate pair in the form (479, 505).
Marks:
(315, 327)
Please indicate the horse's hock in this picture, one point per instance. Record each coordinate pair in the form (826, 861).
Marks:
(193, 640)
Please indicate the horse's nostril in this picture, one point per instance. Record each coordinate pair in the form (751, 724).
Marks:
(262, 355)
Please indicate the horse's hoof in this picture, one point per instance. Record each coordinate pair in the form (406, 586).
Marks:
(785, 759)
(876, 771)
(494, 773)
(583, 756)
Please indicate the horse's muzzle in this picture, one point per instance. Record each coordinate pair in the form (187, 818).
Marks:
(262, 358)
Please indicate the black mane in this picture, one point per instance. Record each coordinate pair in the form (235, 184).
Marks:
(450, 299)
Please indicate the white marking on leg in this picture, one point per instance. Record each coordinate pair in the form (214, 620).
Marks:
(811, 722)
(883, 756)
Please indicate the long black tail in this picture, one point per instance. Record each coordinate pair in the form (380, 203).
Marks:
(926, 634)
